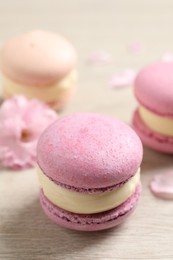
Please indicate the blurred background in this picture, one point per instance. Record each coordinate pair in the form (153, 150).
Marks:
(91, 25)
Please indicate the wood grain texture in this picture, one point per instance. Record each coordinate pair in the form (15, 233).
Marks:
(25, 232)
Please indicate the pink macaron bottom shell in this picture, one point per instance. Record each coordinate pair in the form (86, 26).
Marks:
(151, 139)
(90, 222)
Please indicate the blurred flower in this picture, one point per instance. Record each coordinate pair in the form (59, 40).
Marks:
(167, 57)
(99, 58)
(21, 123)
(122, 79)
(135, 47)
(162, 185)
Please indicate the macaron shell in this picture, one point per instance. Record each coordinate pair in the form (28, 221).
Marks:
(154, 88)
(93, 222)
(88, 150)
(37, 57)
(151, 139)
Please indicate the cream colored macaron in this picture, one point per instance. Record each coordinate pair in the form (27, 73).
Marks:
(39, 64)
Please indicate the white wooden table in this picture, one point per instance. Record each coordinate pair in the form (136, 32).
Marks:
(25, 232)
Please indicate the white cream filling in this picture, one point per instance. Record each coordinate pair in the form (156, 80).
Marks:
(45, 93)
(159, 124)
(83, 203)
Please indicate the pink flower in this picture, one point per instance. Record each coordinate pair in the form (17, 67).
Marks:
(135, 47)
(168, 57)
(162, 185)
(99, 58)
(21, 123)
(122, 79)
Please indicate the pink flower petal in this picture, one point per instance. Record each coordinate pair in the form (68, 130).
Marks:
(162, 185)
(135, 47)
(21, 123)
(99, 58)
(14, 108)
(36, 122)
(122, 79)
(167, 57)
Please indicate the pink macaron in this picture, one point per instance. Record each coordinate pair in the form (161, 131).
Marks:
(39, 64)
(153, 119)
(89, 171)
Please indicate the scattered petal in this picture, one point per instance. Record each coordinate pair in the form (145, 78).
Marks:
(21, 123)
(167, 57)
(99, 58)
(122, 79)
(135, 47)
(162, 185)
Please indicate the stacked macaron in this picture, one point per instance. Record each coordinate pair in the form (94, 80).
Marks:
(153, 120)
(89, 171)
(41, 65)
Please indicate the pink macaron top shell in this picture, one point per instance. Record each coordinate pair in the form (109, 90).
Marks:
(37, 57)
(154, 88)
(88, 150)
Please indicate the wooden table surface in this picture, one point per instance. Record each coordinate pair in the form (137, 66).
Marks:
(25, 232)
